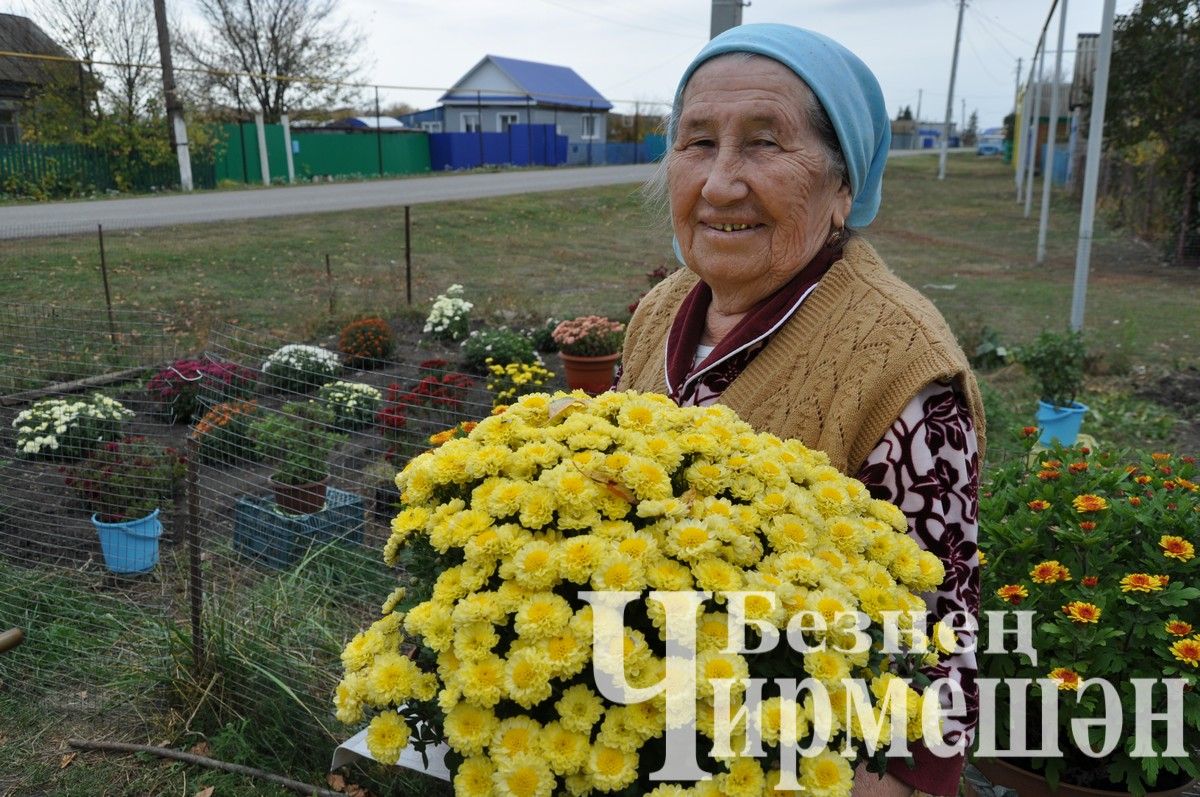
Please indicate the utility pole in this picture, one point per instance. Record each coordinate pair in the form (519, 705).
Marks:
(920, 94)
(1035, 129)
(726, 14)
(962, 130)
(1048, 166)
(950, 94)
(178, 130)
(1091, 177)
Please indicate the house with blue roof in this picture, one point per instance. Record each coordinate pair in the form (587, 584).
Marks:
(499, 93)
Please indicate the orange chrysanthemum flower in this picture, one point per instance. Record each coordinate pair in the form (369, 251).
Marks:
(1159, 456)
(1135, 501)
(1187, 485)
(1089, 581)
(1176, 547)
(1077, 467)
(1178, 628)
(1029, 431)
(1142, 582)
(1187, 651)
(1082, 612)
(1038, 505)
(1049, 572)
(1088, 525)
(1143, 479)
(1052, 463)
(1067, 679)
(1089, 503)
(1049, 475)
(1013, 593)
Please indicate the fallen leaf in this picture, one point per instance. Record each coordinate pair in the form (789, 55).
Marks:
(66, 760)
(335, 781)
(199, 748)
(205, 792)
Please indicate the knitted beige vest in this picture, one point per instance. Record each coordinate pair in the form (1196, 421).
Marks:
(838, 373)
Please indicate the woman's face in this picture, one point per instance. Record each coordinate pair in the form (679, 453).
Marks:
(752, 197)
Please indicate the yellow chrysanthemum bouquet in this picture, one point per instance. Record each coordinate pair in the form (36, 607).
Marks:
(508, 534)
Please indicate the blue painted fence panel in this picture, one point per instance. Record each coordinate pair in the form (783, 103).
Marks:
(521, 145)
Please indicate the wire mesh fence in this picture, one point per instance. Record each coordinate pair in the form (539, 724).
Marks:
(188, 543)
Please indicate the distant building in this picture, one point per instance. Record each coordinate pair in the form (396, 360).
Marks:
(913, 134)
(500, 92)
(20, 78)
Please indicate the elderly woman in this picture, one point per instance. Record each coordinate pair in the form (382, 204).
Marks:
(778, 140)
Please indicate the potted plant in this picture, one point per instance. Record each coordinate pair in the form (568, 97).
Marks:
(1055, 361)
(297, 441)
(124, 483)
(68, 428)
(449, 316)
(177, 389)
(589, 347)
(1102, 548)
(354, 404)
(366, 342)
(300, 368)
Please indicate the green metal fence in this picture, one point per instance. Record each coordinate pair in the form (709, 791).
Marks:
(44, 171)
(316, 154)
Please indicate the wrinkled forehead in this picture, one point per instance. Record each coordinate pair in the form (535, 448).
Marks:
(744, 77)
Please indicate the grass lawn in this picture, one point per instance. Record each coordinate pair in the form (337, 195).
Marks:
(963, 241)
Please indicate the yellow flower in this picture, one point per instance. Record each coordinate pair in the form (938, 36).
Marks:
(618, 571)
(717, 575)
(1082, 612)
(533, 566)
(483, 680)
(827, 666)
(566, 751)
(1049, 572)
(1089, 503)
(1067, 679)
(1187, 651)
(474, 777)
(1176, 548)
(523, 775)
(1142, 582)
(542, 615)
(1178, 628)
(527, 678)
(611, 769)
(387, 735)
(745, 778)
(579, 708)
(348, 699)
(469, 729)
(1012, 593)
(826, 774)
(393, 678)
(691, 540)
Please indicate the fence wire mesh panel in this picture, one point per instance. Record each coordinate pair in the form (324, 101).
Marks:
(267, 470)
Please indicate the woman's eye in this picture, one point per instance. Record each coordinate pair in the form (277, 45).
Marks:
(762, 142)
(701, 142)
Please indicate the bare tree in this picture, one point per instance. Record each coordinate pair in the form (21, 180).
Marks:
(272, 42)
(75, 24)
(128, 35)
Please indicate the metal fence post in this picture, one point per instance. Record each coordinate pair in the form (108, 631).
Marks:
(112, 329)
(195, 577)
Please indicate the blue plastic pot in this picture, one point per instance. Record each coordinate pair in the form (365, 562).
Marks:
(1059, 423)
(130, 546)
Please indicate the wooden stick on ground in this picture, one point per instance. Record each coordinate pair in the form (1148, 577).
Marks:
(191, 758)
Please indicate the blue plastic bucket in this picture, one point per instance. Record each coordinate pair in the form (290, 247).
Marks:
(1059, 423)
(130, 546)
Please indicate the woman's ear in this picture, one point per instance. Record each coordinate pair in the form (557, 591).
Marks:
(841, 207)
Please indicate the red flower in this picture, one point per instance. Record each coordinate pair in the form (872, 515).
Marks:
(1089, 581)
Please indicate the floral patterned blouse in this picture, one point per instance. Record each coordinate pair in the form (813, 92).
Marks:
(927, 464)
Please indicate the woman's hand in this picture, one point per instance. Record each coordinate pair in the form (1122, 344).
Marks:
(869, 784)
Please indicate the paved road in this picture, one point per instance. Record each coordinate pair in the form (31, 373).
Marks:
(64, 218)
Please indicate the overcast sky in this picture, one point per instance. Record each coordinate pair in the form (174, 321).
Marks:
(636, 49)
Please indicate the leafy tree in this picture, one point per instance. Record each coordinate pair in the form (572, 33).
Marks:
(270, 42)
(1153, 102)
(971, 134)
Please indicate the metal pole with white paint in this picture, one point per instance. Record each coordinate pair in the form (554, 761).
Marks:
(1051, 135)
(950, 95)
(287, 147)
(1035, 126)
(1091, 174)
(262, 148)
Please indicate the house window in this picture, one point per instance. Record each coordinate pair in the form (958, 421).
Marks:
(431, 127)
(470, 123)
(505, 121)
(8, 128)
(589, 126)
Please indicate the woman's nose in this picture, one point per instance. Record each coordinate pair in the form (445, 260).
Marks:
(724, 184)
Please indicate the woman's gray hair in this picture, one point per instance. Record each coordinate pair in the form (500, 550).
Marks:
(655, 188)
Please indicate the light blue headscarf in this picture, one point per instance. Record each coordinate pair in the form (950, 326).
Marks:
(841, 82)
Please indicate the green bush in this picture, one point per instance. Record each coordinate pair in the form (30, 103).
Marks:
(1056, 361)
(501, 345)
(297, 441)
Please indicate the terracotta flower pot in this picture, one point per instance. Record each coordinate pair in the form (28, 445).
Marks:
(1032, 784)
(591, 374)
(300, 499)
